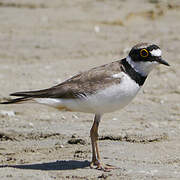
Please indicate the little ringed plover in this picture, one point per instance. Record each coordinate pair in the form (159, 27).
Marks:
(100, 90)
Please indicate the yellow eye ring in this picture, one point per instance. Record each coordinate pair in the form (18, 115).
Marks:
(144, 53)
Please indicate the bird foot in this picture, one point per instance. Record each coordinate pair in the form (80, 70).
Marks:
(101, 166)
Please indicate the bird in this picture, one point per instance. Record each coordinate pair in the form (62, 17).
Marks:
(103, 89)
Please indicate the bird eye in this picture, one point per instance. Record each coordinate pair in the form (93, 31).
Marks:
(144, 53)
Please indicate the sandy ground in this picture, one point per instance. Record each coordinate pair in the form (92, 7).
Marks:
(45, 42)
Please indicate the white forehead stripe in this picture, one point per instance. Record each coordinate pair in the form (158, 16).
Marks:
(156, 52)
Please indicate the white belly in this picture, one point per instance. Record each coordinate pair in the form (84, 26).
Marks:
(108, 100)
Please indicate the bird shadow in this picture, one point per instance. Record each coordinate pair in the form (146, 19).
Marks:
(58, 165)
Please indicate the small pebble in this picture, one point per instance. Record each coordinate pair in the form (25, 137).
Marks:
(161, 101)
(7, 113)
(63, 117)
(31, 124)
(75, 117)
(97, 29)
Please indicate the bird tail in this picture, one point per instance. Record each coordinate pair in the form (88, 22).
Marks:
(25, 96)
(16, 100)
(30, 96)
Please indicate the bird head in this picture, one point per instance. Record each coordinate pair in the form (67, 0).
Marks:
(144, 57)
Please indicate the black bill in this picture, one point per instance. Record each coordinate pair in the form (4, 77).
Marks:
(162, 61)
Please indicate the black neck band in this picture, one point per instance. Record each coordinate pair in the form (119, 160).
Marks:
(137, 77)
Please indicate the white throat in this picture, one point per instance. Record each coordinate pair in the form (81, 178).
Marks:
(142, 67)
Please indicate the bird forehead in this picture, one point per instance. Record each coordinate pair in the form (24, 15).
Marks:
(147, 46)
(141, 46)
